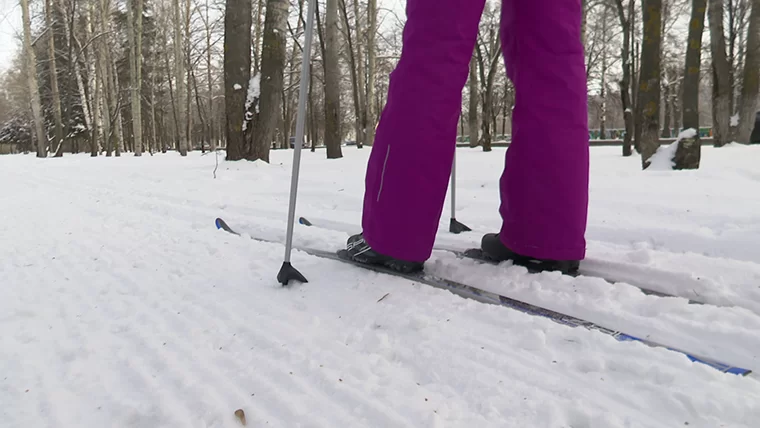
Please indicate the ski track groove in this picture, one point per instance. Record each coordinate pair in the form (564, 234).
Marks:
(653, 317)
(686, 290)
(603, 317)
(158, 315)
(381, 413)
(199, 313)
(126, 308)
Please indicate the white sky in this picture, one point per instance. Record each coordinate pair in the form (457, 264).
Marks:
(10, 26)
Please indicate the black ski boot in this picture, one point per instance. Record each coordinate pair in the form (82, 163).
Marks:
(495, 250)
(359, 250)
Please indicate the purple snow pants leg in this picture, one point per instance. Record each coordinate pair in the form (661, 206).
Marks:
(411, 158)
(544, 186)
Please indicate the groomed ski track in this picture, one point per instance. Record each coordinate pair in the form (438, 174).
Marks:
(121, 305)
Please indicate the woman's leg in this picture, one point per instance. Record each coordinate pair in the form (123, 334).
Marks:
(544, 186)
(411, 159)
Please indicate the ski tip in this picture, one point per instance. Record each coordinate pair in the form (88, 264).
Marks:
(304, 221)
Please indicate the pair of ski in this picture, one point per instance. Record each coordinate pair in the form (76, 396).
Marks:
(471, 292)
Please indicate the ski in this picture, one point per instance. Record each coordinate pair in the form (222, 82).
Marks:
(476, 255)
(474, 293)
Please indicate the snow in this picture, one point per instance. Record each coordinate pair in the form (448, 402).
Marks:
(122, 305)
(237, 87)
(735, 120)
(254, 92)
(662, 160)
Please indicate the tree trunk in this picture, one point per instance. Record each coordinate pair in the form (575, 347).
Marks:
(103, 75)
(488, 66)
(92, 79)
(237, 73)
(134, 25)
(188, 79)
(751, 85)
(118, 132)
(95, 132)
(677, 101)
(625, 82)
(153, 132)
(332, 83)
(649, 83)
(692, 67)
(360, 80)
(603, 91)
(472, 122)
(179, 75)
(211, 119)
(351, 56)
(68, 24)
(667, 104)
(720, 69)
(55, 93)
(257, 37)
(31, 80)
(371, 111)
(689, 150)
(272, 70)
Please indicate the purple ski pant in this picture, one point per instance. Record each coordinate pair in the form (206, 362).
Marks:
(544, 185)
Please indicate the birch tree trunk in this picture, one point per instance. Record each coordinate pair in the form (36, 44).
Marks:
(92, 80)
(211, 118)
(751, 86)
(721, 84)
(104, 76)
(116, 99)
(188, 81)
(31, 81)
(179, 77)
(257, 28)
(134, 79)
(56, 94)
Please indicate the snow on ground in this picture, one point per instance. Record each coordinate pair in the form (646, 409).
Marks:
(121, 305)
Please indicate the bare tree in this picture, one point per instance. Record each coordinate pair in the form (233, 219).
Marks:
(237, 73)
(721, 74)
(472, 122)
(751, 80)
(53, 71)
(625, 82)
(272, 70)
(332, 83)
(179, 76)
(371, 71)
(488, 54)
(689, 151)
(649, 85)
(134, 29)
(31, 79)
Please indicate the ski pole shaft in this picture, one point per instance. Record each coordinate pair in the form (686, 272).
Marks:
(300, 125)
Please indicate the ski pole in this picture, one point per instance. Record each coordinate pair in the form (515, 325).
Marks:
(454, 225)
(287, 271)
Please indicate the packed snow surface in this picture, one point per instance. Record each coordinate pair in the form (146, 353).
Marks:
(121, 305)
